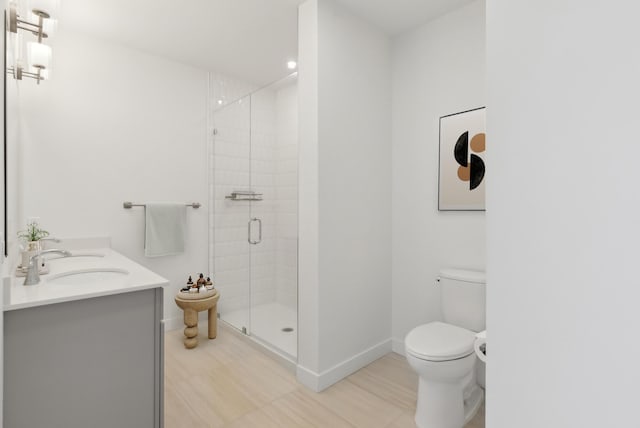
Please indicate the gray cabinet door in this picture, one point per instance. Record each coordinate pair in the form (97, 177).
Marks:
(90, 363)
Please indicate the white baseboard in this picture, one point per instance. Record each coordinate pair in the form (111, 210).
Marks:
(397, 345)
(308, 378)
(318, 382)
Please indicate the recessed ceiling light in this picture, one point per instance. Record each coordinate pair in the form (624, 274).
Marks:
(291, 65)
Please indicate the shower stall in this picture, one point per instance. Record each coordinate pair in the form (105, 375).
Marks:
(254, 233)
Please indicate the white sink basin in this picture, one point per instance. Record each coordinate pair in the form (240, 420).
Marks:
(89, 276)
(73, 255)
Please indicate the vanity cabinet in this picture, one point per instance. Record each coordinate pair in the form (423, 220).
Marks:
(94, 362)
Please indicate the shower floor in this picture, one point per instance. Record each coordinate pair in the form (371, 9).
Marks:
(267, 322)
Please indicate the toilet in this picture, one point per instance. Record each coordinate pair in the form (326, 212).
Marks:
(442, 353)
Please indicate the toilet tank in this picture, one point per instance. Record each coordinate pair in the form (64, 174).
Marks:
(464, 298)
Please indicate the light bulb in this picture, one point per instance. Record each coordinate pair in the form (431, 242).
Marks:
(39, 55)
(49, 27)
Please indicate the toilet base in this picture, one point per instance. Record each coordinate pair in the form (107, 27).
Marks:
(442, 405)
(473, 403)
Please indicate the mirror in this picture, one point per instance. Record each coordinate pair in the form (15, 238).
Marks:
(3, 210)
(10, 164)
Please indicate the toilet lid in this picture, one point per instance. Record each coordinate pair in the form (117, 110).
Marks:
(438, 341)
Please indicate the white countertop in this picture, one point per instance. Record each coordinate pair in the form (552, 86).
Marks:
(45, 293)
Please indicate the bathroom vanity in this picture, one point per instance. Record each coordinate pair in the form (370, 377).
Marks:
(84, 347)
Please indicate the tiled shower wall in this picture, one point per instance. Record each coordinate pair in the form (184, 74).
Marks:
(263, 166)
(228, 222)
(256, 134)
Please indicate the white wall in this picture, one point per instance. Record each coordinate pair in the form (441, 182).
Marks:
(345, 249)
(112, 125)
(286, 178)
(308, 223)
(438, 69)
(562, 216)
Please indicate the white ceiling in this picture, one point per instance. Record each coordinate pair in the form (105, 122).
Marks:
(248, 39)
(396, 16)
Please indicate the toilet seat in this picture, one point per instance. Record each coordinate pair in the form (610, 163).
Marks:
(437, 341)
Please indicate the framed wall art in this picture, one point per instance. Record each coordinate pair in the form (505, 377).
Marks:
(462, 168)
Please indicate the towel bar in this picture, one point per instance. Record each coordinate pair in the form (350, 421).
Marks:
(128, 205)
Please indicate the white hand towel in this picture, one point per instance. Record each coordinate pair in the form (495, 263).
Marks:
(165, 227)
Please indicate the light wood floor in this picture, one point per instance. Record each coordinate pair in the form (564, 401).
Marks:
(228, 383)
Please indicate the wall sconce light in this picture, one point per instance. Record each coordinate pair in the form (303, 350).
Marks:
(39, 54)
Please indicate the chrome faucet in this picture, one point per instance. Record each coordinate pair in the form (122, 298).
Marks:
(33, 276)
(49, 239)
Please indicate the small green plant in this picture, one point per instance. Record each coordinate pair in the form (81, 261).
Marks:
(33, 232)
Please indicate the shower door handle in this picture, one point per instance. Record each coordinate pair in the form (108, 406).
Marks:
(259, 231)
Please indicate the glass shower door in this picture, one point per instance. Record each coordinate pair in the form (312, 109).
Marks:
(274, 231)
(255, 215)
(232, 178)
